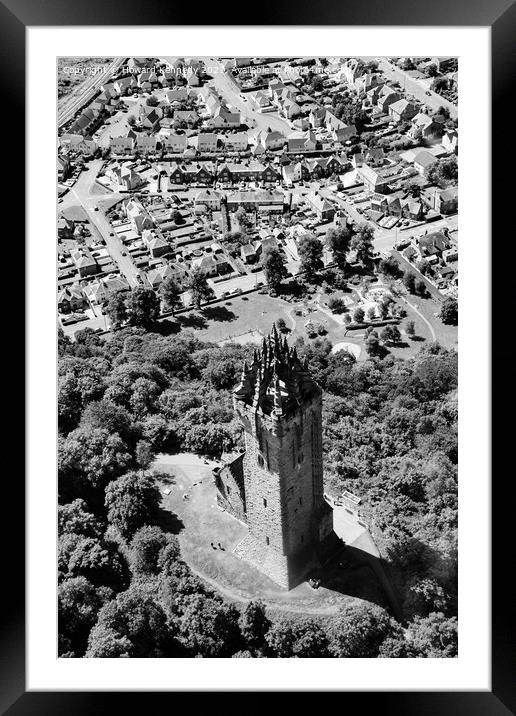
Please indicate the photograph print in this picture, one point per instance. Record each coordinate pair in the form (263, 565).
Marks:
(257, 333)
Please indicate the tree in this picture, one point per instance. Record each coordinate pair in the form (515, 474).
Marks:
(131, 120)
(105, 643)
(449, 313)
(310, 251)
(199, 287)
(152, 101)
(78, 605)
(144, 454)
(373, 346)
(358, 315)
(358, 631)
(143, 307)
(390, 334)
(254, 624)
(420, 288)
(74, 518)
(434, 636)
(170, 293)
(409, 279)
(362, 244)
(209, 627)
(244, 222)
(98, 561)
(274, 267)
(147, 546)
(281, 325)
(410, 328)
(338, 241)
(134, 623)
(116, 309)
(389, 267)
(371, 313)
(131, 502)
(302, 638)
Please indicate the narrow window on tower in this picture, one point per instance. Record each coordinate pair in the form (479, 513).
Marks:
(264, 502)
(267, 540)
(300, 500)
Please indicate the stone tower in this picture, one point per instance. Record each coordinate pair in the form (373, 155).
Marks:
(280, 405)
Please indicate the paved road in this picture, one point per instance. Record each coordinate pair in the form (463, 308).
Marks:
(80, 194)
(412, 86)
(86, 91)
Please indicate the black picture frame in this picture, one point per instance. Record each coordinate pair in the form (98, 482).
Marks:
(500, 16)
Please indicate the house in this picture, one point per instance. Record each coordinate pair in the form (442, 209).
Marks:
(77, 144)
(177, 94)
(86, 123)
(289, 108)
(374, 179)
(157, 246)
(138, 216)
(423, 160)
(450, 141)
(65, 227)
(262, 200)
(205, 142)
(301, 142)
(209, 198)
(450, 255)
(261, 101)
(211, 264)
(340, 131)
(444, 201)
(351, 70)
(236, 142)
(187, 116)
(147, 79)
(249, 253)
(379, 203)
(223, 118)
(174, 143)
(413, 209)
(173, 270)
(386, 98)
(150, 117)
(322, 207)
(145, 143)
(63, 167)
(71, 299)
(317, 117)
(84, 261)
(424, 124)
(246, 171)
(99, 292)
(402, 110)
(375, 157)
(269, 139)
(432, 244)
(125, 177)
(122, 145)
(125, 86)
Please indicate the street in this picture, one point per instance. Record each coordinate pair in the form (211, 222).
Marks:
(81, 194)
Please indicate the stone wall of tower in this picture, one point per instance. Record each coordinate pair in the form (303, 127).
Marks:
(283, 478)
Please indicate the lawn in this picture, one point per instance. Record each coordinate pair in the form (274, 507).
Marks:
(199, 522)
